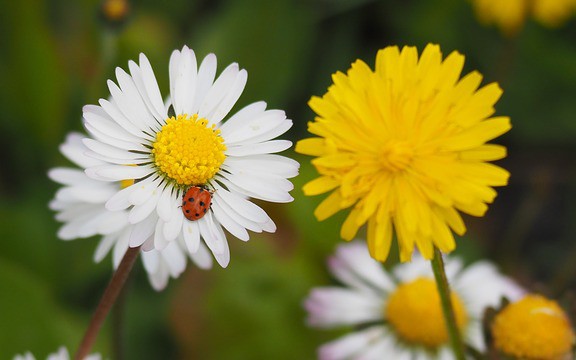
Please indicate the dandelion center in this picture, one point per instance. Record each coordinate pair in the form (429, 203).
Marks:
(188, 151)
(396, 155)
(414, 311)
(533, 328)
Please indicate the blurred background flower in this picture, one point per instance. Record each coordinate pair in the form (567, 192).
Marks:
(56, 56)
(388, 307)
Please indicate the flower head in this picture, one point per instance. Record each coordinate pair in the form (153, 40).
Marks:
(62, 354)
(533, 328)
(79, 204)
(168, 148)
(510, 15)
(390, 306)
(405, 147)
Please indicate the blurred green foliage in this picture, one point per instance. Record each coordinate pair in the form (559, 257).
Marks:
(56, 56)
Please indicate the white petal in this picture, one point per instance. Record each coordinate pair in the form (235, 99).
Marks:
(112, 222)
(74, 150)
(173, 73)
(118, 172)
(120, 247)
(167, 204)
(111, 140)
(185, 78)
(151, 261)
(202, 258)
(191, 234)
(259, 189)
(141, 212)
(99, 118)
(206, 74)
(333, 306)
(174, 258)
(142, 231)
(159, 240)
(143, 190)
(104, 246)
(145, 81)
(243, 116)
(114, 153)
(134, 105)
(173, 228)
(353, 265)
(114, 112)
(230, 224)
(120, 200)
(239, 217)
(242, 206)
(210, 234)
(268, 147)
(233, 94)
(267, 163)
(347, 347)
(218, 91)
(265, 122)
(222, 258)
(67, 176)
(159, 279)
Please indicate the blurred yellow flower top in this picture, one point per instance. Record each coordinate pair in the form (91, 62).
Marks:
(405, 147)
(533, 328)
(510, 15)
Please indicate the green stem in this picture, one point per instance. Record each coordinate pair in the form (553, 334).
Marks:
(108, 299)
(447, 308)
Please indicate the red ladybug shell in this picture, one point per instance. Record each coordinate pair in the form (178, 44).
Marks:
(196, 203)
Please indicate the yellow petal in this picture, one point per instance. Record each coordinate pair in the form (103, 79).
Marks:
(478, 135)
(487, 152)
(329, 207)
(350, 227)
(335, 161)
(311, 146)
(379, 238)
(320, 185)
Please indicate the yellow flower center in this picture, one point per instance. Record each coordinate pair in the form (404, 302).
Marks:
(414, 311)
(533, 328)
(396, 155)
(187, 151)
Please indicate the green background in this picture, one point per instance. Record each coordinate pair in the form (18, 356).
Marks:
(55, 56)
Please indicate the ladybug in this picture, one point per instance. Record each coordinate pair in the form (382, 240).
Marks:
(196, 202)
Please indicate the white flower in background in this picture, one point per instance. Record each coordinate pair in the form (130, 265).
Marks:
(80, 206)
(169, 149)
(398, 312)
(62, 354)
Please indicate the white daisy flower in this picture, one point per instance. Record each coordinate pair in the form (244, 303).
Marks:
(62, 354)
(184, 145)
(80, 206)
(398, 314)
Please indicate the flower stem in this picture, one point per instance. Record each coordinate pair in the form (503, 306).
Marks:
(108, 299)
(447, 309)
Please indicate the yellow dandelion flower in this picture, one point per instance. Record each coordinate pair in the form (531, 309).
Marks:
(533, 328)
(510, 15)
(553, 13)
(405, 147)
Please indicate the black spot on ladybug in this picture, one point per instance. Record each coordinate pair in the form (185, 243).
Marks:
(202, 203)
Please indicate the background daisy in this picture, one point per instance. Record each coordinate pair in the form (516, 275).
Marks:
(388, 307)
(187, 144)
(79, 204)
(62, 354)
